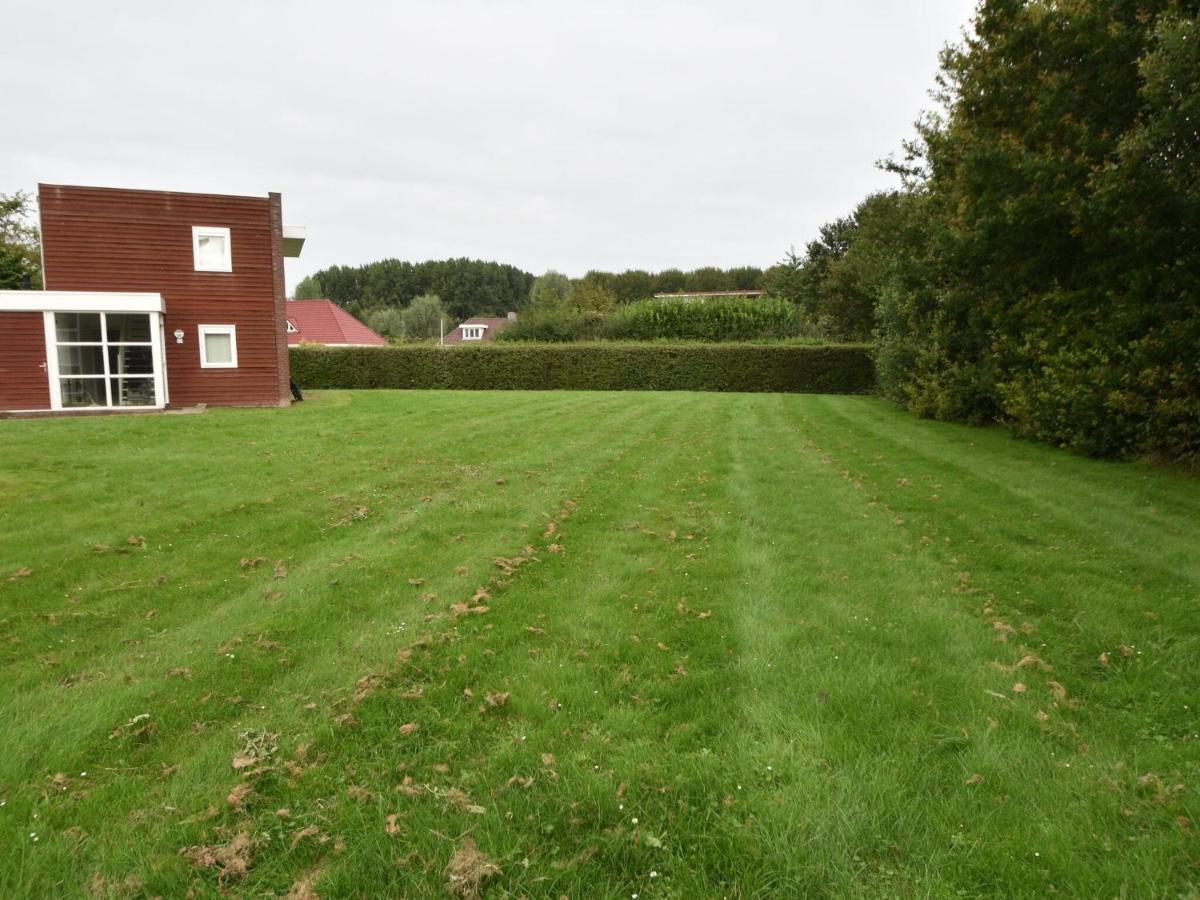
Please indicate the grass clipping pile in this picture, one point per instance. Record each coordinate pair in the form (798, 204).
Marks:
(468, 869)
(231, 860)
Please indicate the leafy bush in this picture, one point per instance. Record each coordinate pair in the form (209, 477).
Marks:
(555, 325)
(559, 310)
(388, 322)
(421, 320)
(713, 319)
(20, 250)
(423, 317)
(718, 319)
(549, 291)
(1110, 398)
(835, 369)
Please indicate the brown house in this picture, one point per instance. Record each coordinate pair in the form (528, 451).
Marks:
(153, 299)
(479, 328)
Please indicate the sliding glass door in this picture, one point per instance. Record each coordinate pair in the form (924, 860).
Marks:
(105, 360)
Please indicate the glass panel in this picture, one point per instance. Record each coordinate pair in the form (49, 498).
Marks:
(218, 349)
(129, 361)
(77, 326)
(80, 361)
(125, 328)
(133, 391)
(211, 251)
(83, 392)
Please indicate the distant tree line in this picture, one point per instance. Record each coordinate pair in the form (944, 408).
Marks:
(470, 287)
(467, 287)
(638, 284)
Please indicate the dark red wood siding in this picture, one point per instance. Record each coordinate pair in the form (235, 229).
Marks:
(23, 381)
(105, 239)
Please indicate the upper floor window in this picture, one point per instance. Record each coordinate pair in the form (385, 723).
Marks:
(292, 329)
(472, 332)
(212, 249)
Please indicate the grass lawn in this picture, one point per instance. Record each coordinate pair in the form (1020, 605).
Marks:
(592, 645)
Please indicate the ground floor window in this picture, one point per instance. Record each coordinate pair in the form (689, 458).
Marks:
(218, 346)
(102, 359)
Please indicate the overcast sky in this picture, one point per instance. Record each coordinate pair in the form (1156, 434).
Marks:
(564, 135)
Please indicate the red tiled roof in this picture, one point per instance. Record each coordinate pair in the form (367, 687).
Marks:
(494, 324)
(324, 322)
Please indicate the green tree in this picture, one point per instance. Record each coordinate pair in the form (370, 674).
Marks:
(813, 291)
(423, 317)
(708, 278)
(782, 279)
(745, 278)
(592, 295)
(387, 321)
(308, 288)
(602, 280)
(1149, 197)
(549, 291)
(830, 285)
(20, 250)
(669, 281)
(1058, 185)
(341, 284)
(633, 284)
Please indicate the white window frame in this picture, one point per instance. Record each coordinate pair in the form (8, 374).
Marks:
(78, 305)
(204, 331)
(292, 329)
(473, 332)
(199, 231)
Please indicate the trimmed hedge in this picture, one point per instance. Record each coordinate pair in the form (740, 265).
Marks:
(841, 369)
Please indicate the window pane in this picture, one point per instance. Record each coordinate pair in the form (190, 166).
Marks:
(83, 392)
(127, 328)
(133, 391)
(218, 348)
(77, 326)
(211, 250)
(130, 361)
(80, 361)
